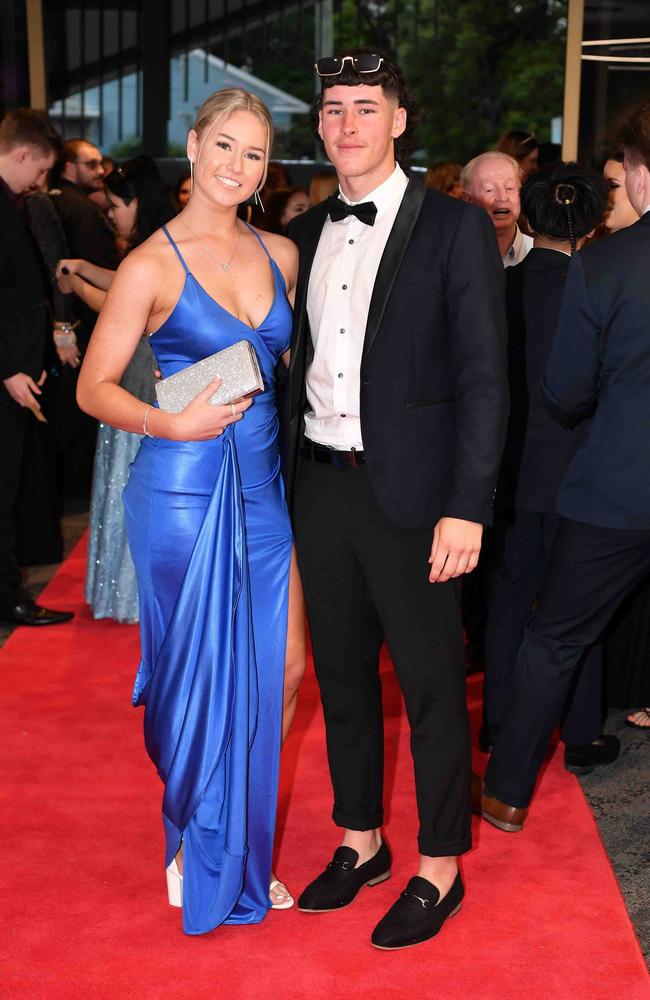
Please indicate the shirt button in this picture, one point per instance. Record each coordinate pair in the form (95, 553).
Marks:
(342, 330)
(344, 287)
(343, 414)
(351, 242)
(340, 374)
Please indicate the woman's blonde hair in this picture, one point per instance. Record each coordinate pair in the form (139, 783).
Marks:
(218, 107)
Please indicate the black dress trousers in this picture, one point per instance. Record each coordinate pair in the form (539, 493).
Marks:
(590, 571)
(366, 579)
(13, 426)
(522, 543)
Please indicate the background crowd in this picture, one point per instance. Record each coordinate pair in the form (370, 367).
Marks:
(66, 230)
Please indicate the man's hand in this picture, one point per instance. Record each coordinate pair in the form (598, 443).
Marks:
(23, 389)
(456, 548)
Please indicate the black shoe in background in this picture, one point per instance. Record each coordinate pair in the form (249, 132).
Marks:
(26, 612)
(583, 760)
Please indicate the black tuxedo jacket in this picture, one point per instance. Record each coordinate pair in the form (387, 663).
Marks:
(600, 364)
(434, 398)
(537, 450)
(23, 295)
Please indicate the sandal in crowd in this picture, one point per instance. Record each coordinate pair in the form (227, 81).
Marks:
(639, 720)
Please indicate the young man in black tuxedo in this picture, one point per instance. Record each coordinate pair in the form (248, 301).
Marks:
(28, 143)
(599, 364)
(398, 405)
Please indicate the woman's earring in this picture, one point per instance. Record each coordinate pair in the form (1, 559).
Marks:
(258, 199)
(191, 175)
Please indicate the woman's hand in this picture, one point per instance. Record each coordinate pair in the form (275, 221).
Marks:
(63, 273)
(68, 267)
(201, 420)
(69, 355)
(65, 284)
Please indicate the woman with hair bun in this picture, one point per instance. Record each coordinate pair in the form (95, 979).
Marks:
(221, 618)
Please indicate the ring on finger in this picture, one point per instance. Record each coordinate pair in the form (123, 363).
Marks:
(233, 409)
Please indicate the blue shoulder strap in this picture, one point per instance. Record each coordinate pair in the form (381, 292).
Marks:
(176, 250)
(259, 240)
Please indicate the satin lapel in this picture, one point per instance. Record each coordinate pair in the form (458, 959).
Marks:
(391, 259)
(307, 247)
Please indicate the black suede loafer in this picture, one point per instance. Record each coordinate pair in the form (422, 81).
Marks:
(340, 882)
(418, 914)
(27, 613)
(584, 759)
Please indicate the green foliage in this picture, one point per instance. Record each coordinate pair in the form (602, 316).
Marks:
(127, 148)
(295, 142)
(478, 67)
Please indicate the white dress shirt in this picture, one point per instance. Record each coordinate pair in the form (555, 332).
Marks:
(340, 288)
(521, 244)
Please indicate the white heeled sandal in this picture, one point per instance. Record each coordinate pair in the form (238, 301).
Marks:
(285, 904)
(174, 884)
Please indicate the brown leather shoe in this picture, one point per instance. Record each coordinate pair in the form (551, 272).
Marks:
(500, 814)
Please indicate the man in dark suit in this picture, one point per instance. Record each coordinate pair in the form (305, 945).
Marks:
(558, 201)
(398, 403)
(89, 236)
(600, 365)
(27, 150)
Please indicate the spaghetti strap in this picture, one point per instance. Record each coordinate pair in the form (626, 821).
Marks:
(259, 240)
(176, 250)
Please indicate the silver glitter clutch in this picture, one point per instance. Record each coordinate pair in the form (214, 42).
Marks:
(237, 367)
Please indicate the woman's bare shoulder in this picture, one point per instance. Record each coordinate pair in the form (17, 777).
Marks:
(150, 260)
(284, 251)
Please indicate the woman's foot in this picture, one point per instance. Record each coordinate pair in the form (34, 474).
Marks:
(281, 898)
(640, 719)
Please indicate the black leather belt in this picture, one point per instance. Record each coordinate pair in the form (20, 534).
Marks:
(342, 459)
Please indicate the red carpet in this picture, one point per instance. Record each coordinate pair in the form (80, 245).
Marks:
(84, 913)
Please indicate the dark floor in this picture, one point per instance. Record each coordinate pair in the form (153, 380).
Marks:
(619, 794)
(620, 798)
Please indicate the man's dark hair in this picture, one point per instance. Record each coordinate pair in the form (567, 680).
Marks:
(72, 148)
(28, 127)
(68, 153)
(565, 201)
(139, 178)
(634, 136)
(392, 81)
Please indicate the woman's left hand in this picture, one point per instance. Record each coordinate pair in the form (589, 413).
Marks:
(69, 355)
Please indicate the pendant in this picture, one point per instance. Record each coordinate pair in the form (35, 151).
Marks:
(226, 267)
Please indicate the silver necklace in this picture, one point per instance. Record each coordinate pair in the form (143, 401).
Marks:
(224, 267)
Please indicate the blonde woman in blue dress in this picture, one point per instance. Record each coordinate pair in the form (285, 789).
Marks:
(221, 613)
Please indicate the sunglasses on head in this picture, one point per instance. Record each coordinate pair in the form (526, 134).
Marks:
(333, 65)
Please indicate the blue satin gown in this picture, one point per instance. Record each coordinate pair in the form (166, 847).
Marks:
(211, 542)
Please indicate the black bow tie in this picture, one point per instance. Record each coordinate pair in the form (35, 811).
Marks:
(365, 212)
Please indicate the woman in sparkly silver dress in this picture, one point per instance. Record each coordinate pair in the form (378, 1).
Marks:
(139, 204)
